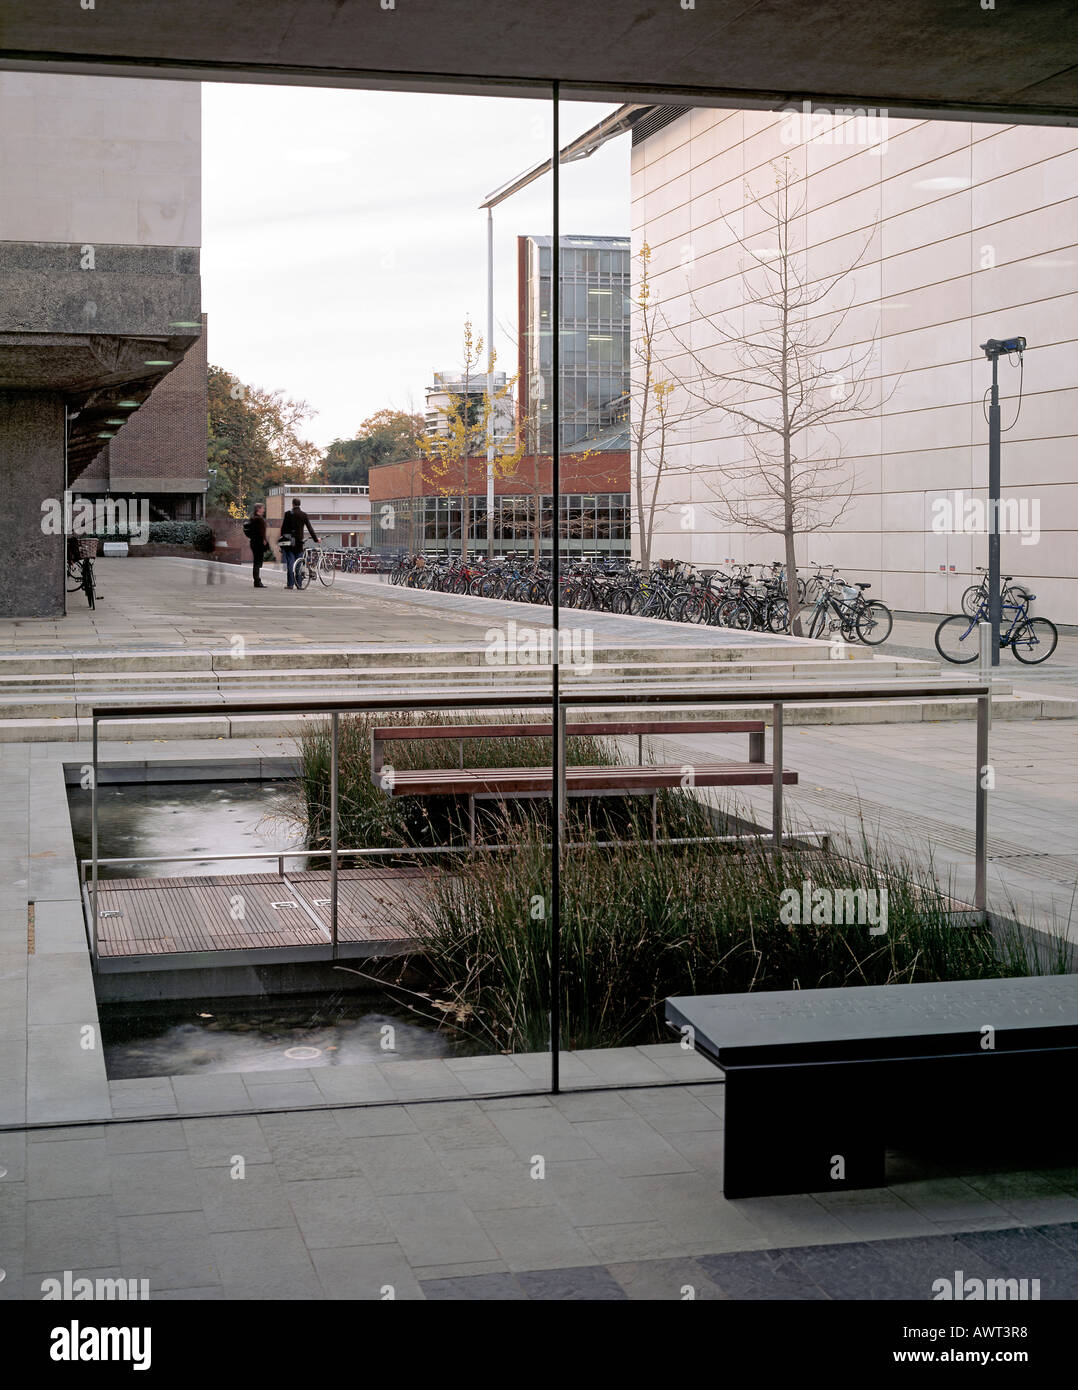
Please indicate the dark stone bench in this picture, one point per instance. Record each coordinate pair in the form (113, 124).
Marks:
(820, 1082)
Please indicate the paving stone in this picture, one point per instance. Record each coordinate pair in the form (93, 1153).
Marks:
(367, 1122)
(542, 1131)
(70, 1168)
(171, 1252)
(584, 1284)
(760, 1274)
(536, 1238)
(71, 1233)
(153, 1136)
(632, 1240)
(269, 1264)
(215, 1143)
(437, 1228)
(257, 1201)
(666, 1280)
(398, 1164)
(366, 1272)
(338, 1211)
(495, 1178)
(500, 1288)
(632, 1147)
(148, 1183)
(855, 1271)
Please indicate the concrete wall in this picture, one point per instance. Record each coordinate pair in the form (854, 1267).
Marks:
(96, 159)
(32, 456)
(970, 231)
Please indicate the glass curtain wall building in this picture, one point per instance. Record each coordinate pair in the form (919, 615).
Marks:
(594, 318)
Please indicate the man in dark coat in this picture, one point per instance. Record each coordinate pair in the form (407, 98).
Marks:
(291, 538)
(256, 532)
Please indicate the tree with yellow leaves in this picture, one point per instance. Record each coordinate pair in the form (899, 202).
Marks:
(470, 427)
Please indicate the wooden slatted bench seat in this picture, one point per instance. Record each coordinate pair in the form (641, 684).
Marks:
(580, 781)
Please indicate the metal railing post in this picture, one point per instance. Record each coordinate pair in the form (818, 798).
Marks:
(93, 844)
(333, 779)
(984, 706)
(776, 775)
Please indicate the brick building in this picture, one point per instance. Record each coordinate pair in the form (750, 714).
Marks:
(161, 452)
(415, 508)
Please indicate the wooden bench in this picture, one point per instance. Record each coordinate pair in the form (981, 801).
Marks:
(820, 1082)
(518, 782)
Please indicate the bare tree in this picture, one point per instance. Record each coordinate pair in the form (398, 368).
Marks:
(660, 404)
(786, 380)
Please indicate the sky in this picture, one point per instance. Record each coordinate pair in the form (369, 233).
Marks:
(342, 243)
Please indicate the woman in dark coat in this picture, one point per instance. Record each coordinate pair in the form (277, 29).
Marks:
(258, 542)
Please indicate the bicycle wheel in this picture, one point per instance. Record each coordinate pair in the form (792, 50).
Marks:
(742, 618)
(74, 576)
(971, 600)
(957, 640)
(327, 570)
(817, 620)
(1034, 641)
(88, 581)
(874, 623)
(778, 616)
(301, 574)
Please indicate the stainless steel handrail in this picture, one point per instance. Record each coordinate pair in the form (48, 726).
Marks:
(668, 697)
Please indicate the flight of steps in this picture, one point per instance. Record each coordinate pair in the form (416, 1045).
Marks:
(50, 697)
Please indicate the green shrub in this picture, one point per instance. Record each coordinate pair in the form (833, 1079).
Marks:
(193, 533)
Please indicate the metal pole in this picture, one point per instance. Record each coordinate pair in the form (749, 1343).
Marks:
(776, 776)
(492, 419)
(984, 637)
(333, 779)
(93, 842)
(993, 510)
(980, 893)
(557, 761)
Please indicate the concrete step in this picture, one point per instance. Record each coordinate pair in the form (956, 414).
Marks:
(69, 728)
(167, 683)
(294, 658)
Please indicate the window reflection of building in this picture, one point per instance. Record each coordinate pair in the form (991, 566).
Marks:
(596, 523)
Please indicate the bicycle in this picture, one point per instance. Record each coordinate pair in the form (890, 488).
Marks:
(321, 562)
(977, 594)
(1032, 640)
(80, 567)
(855, 616)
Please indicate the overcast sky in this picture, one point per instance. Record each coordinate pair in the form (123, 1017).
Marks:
(342, 245)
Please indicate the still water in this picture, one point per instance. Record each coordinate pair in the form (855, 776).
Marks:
(215, 1035)
(200, 818)
(275, 1032)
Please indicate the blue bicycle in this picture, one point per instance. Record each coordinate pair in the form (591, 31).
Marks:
(1032, 640)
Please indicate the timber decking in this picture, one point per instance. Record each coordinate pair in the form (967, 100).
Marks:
(222, 914)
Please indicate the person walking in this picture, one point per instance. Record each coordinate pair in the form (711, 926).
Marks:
(255, 531)
(293, 525)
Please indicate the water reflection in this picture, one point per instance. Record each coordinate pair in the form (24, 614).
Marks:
(288, 1032)
(187, 818)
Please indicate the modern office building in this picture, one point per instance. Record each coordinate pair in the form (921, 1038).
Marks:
(100, 229)
(595, 313)
(341, 515)
(961, 232)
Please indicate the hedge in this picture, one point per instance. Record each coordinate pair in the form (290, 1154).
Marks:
(193, 533)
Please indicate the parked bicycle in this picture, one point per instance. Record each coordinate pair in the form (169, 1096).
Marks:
(843, 607)
(81, 551)
(1032, 640)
